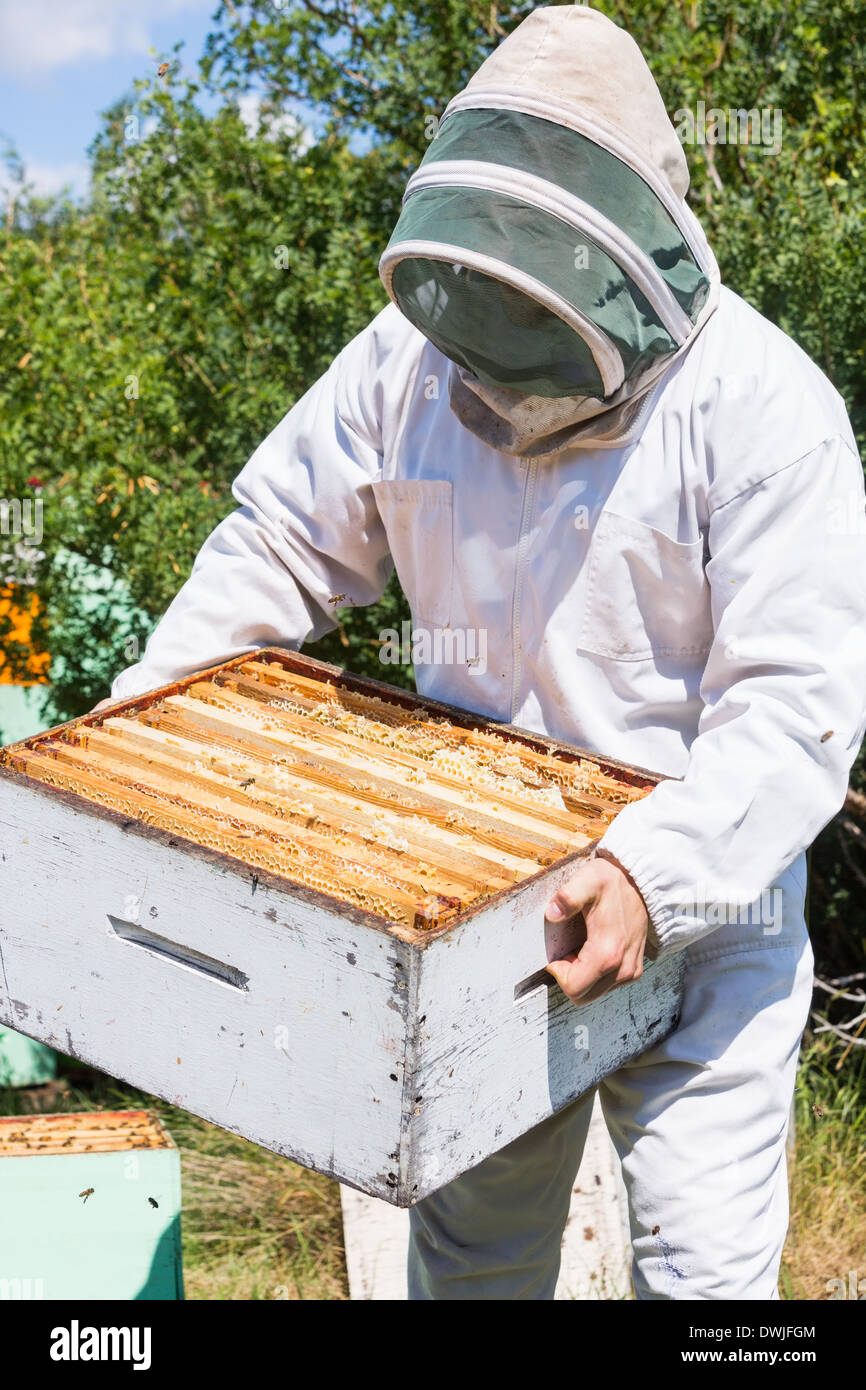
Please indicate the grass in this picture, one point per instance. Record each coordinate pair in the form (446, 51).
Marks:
(827, 1235)
(256, 1226)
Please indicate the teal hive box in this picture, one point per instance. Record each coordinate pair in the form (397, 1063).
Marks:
(24, 1062)
(91, 1207)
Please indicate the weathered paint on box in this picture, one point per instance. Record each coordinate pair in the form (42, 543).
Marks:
(388, 1064)
(90, 1225)
(388, 1057)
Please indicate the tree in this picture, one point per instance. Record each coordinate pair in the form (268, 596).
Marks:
(159, 333)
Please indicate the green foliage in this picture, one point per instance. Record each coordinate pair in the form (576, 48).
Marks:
(156, 335)
(787, 227)
(379, 68)
(355, 640)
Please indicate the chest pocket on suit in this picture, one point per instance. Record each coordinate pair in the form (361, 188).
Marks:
(647, 595)
(417, 516)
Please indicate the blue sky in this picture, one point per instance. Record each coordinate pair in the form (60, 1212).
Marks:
(62, 62)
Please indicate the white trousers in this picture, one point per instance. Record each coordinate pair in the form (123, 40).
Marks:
(699, 1123)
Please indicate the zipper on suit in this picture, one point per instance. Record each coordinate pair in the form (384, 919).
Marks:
(642, 410)
(531, 466)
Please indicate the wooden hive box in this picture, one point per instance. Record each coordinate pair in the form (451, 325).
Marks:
(310, 908)
(91, 1207)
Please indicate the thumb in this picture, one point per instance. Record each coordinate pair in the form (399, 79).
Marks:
(560, 968)
(574, 895)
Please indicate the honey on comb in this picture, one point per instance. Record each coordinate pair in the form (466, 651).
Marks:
(389, 808)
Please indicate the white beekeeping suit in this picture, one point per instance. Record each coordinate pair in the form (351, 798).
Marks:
(575, 445)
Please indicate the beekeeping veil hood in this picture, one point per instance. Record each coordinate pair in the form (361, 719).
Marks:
(545, 245)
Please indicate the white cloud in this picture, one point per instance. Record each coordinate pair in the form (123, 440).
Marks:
(249, 107)
(50, 179)
(53, 178)
(40, 35)
(286, 123)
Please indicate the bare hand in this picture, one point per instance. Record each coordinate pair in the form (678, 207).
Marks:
(615, 921)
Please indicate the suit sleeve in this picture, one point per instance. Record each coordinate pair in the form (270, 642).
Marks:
(784, 692)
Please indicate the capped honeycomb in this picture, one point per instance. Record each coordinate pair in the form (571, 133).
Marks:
(371, 798)
(101, 1131)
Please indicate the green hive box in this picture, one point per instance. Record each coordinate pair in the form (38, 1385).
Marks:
(91, 1207)
(24, 1062)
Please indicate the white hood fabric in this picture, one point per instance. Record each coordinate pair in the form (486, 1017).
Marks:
(545, 239)
(693, 601)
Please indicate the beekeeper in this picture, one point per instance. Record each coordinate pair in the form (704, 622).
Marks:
(567, 436)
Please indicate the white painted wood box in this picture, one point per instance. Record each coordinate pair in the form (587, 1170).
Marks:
(310, 908)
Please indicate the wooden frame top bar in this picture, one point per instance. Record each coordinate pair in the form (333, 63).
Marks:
(403, 809)
(99, 1131)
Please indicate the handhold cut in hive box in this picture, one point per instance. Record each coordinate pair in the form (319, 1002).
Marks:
(406, 809)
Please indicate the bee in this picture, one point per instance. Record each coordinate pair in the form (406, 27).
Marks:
(818, 1111)
(656, 1230)
(162, 70)
(829, 734)
(248, 783)
(88, 1192)
(153, 1201)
